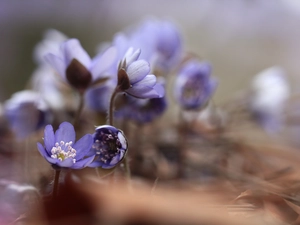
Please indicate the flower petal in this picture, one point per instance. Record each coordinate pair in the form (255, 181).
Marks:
(42, 150)
(131, 56)
(73, 50)
(103, 62)
(83, 146)
(83, 163)
(57, 63)
(141, 91)
(65, 163)
(45, 154)
(65, 133)
(149, 80)
(49, 139)
(138, 70)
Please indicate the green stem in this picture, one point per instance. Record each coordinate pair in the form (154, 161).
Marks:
(79, 109)
(55, 184)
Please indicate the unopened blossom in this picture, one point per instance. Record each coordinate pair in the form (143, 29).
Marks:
(110, 146)
(76, 67)
(134, 77)
(26, 112)
(194, 85)
(270, 91)
(61, 150)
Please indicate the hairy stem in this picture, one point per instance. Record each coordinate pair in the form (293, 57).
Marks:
(55, 184)
(111, 107)
(79, 109)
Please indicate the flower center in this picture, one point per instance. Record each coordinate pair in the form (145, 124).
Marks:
(62, 151)
(107, 146)
(193, 89)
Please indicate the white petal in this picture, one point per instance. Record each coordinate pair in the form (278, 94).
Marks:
(138, 70)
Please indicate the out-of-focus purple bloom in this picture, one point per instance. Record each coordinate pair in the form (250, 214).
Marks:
(194, 85)
(270, 91)
(141, 110)
(97, 98)
(134, 77)
(159, 40)
(75, 65)
(26, 112)
(51, 41)
(110, 146)
(61, 150)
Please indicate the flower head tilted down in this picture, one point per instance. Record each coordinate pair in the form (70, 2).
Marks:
(194, 85)
(110, 146)
(134, 77)
(61, 150)
(77, 68)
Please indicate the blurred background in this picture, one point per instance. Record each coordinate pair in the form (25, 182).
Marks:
(239, 37)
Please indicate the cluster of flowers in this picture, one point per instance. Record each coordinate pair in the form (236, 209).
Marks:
(121, 66)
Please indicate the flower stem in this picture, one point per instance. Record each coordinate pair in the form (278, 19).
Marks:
(55, 184)
(111, 107)
(79, 109)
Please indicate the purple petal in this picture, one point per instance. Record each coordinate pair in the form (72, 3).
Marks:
(49, 139)
(138, 70)
(65, 133)
(73, 50)
(103, 62)
(83, 145)
(57, 63)
(149, 80)
(83, 163)
(141, 91)
(65, 163)
(131, 56)
(45, 154)
(95, 164)
(42, 150)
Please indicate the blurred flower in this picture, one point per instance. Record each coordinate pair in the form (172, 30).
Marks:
(26, 112)
(97, 98)
(159, 40)
(110, 146)
(141, 110)
(270, 91)
(134, 77)
(61, 150)
(51, 41)
(75, 65)
(194, 86)
(47, 84)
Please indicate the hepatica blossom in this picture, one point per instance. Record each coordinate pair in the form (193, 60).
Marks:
(134, 77)
(26, 112)
(110, 146)
(76, 67)
(194, 86)
(61, 150)
(270, 92)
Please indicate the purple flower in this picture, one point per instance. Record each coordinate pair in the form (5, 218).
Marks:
(75, 65)
(134, 77)
(141, 110)
(26, 112)
(159, 40)
(269, 93)
(194, 86)
(97, 98)
(61, 150)
(110, 146)
(51, 41)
